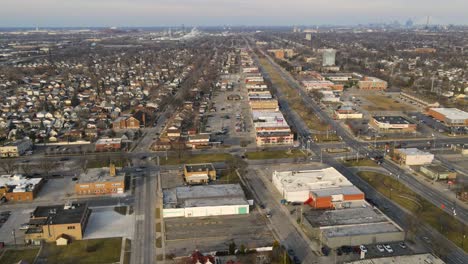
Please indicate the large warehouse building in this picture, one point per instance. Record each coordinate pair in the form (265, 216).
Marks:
(204, 200)
(358, 224)
(450, 116)
(321, 189)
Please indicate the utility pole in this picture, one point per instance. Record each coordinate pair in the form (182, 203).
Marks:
(14, 236)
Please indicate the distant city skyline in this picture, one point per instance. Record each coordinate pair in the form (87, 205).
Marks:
(107, 13)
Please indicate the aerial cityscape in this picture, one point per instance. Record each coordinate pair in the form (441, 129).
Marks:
(155, 132)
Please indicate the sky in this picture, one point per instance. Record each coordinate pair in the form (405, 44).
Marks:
(118, 13)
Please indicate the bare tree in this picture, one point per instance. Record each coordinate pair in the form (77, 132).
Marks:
(27, 168)
(83, 163)
(48, 166)
(8, 166)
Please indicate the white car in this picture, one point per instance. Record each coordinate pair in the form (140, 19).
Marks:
(363, 248)
(388, 248)
(380, 248)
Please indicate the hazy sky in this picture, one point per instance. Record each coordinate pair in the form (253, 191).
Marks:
(226, 12)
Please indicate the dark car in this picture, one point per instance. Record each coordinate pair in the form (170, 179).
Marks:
(74, 178)
(296, 260)
(291, 252)
(325, 251)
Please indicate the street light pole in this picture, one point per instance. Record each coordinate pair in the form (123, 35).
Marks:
(14, 236)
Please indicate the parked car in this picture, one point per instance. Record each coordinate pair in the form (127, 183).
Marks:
(402, 244)
(388, 248)
(363, 248)
(380, 248)
(24, 227)
(291, 252)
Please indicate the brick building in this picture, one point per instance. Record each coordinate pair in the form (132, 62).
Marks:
(101, 181)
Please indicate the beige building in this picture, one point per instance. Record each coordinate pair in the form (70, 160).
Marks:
(49, 223)
(413, 156)
(199, 173)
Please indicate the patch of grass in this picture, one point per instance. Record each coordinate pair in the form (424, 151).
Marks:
(14, 256)
(106, 250)
(275, 154)
(198, 158)
(446, 224)
(384, 103)
(360, 162)
(228, 176)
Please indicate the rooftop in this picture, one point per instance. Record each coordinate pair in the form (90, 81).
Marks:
(412, 151)
(109, 141)
(18, 183)
(451, 113)
(58, 214)
(199, 167)
(100, 175)
(203, 195)
(399, 120)
(348, 216)
(308, 180)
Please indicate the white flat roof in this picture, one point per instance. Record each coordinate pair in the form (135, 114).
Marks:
(451, 113)
(308, 180)
(202, 194)
(413, 151)
(20, 183)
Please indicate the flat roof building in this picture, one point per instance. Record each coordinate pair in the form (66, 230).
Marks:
(413, 156)
(356, 224)
(204, 200)
(390, 124)
(16, 148)
(101, 181)
(16, 187)
(372, 83)
(450, 116)
(52, 222)
(199, 173)
(323, 188)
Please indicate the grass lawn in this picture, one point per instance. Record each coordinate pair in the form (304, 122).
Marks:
(228, 177)
(426, 211)
(275, 154)
(383, 103)
(197, 158)
(14, 256)
(95, 251)
(294, 99)
(360, 162)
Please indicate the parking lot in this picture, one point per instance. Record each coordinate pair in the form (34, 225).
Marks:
(373, 252)
(13, 223)
(183, 235)
(106, 222)
(231, 115)
(56, 189)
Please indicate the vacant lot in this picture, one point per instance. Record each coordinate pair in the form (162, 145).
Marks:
(275, 154)
(92, 251)
(15, 256)
(383, 103)
(198, 158)
(426, 211)
(183, 235)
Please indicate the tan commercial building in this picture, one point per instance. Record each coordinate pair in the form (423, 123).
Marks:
(18, 188)
(372, 83)
(413, 156)
(199, 173)
(49, 223)
(101, 181)
(271, 104)
(389, 124)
